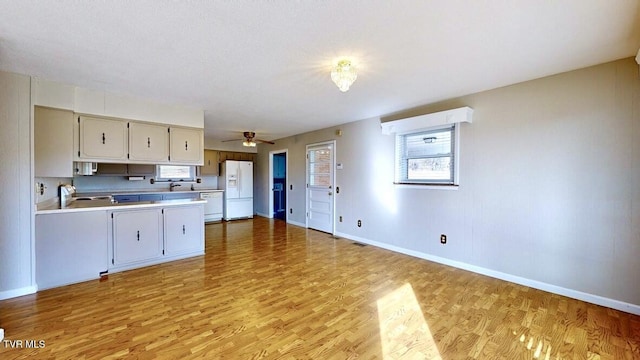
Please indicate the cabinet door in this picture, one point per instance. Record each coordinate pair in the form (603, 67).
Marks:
(181, 196)
(150, 197)
(103, 139)
(186, 146)
(210, 166)
(184, 229)
(108, 169)
(148, 142)
(137, 236)
(141, 170)
(126, 198)
(53, 142)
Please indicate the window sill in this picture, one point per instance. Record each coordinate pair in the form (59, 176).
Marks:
(426, 186)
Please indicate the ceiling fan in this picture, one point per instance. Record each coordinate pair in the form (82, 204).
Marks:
(250, 140)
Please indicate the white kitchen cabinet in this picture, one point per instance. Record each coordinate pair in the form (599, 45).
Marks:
(102, 139)
(210, 166)
(137, 236)
(70, 247)
(186, 146)
(53, 142)
(148, 142)
(183, 230)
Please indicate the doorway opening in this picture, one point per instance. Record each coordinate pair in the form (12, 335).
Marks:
(278, 199)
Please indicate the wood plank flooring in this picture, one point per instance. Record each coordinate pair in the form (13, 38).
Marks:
(265, 290)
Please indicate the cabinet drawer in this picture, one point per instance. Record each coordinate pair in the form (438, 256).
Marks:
(150, 197)
(192, 195)
(127, 198)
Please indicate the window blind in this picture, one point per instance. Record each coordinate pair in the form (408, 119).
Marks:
(426, 156)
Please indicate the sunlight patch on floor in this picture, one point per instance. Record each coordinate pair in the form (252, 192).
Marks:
(539, 351)
(404, 333)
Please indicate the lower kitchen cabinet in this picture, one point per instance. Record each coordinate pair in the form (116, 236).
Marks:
(142, 237)
(137, 236)
(183, 230)
(70, 247)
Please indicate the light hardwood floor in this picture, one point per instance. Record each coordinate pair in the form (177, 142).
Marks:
(272, 291)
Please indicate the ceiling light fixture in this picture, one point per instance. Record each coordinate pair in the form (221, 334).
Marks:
(344, 74)
(249, 143)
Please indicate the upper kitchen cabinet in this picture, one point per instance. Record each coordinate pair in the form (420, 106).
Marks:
(102, 140)
(186, 146)
(148, 142)
(235, 155)
(53, 142)
(210, 166)
(248, 157)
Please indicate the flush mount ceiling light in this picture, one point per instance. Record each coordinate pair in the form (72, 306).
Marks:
(344, 74)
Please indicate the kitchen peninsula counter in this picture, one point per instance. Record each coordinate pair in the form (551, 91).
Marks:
(102, 205)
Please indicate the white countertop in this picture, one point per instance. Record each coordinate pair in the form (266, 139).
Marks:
(130, 192)
(77, 206)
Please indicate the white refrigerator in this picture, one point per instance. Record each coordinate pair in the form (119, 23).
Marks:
(236, 179)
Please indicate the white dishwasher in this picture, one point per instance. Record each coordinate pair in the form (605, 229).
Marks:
(213, 207)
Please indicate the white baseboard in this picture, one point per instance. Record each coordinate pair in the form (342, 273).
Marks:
(575, 294)
(263, 215)
(8, 294)
(296, 223)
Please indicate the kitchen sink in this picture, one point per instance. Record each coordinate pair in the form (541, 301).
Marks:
(85, 198)
(90, 203)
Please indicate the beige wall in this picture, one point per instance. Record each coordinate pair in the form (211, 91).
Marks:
(548, 195)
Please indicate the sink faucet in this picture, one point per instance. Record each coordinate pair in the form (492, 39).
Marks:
(173, 185)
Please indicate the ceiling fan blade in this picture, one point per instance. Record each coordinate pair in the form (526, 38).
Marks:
(232, 140)
(264, 141)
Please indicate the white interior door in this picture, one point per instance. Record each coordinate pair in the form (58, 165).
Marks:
(320, 179)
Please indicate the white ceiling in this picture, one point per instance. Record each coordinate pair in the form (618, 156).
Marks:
(264, 65)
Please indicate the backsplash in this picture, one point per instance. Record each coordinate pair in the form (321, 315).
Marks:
(50, 187)
(91, 184)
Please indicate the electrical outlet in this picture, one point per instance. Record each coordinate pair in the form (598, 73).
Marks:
(291, 211)
(443, 239)
(359, 223)
(340, 218)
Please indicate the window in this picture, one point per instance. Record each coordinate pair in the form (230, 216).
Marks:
(427, 156)
(175, 173)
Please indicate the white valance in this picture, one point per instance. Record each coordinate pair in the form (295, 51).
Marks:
(463, 114)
